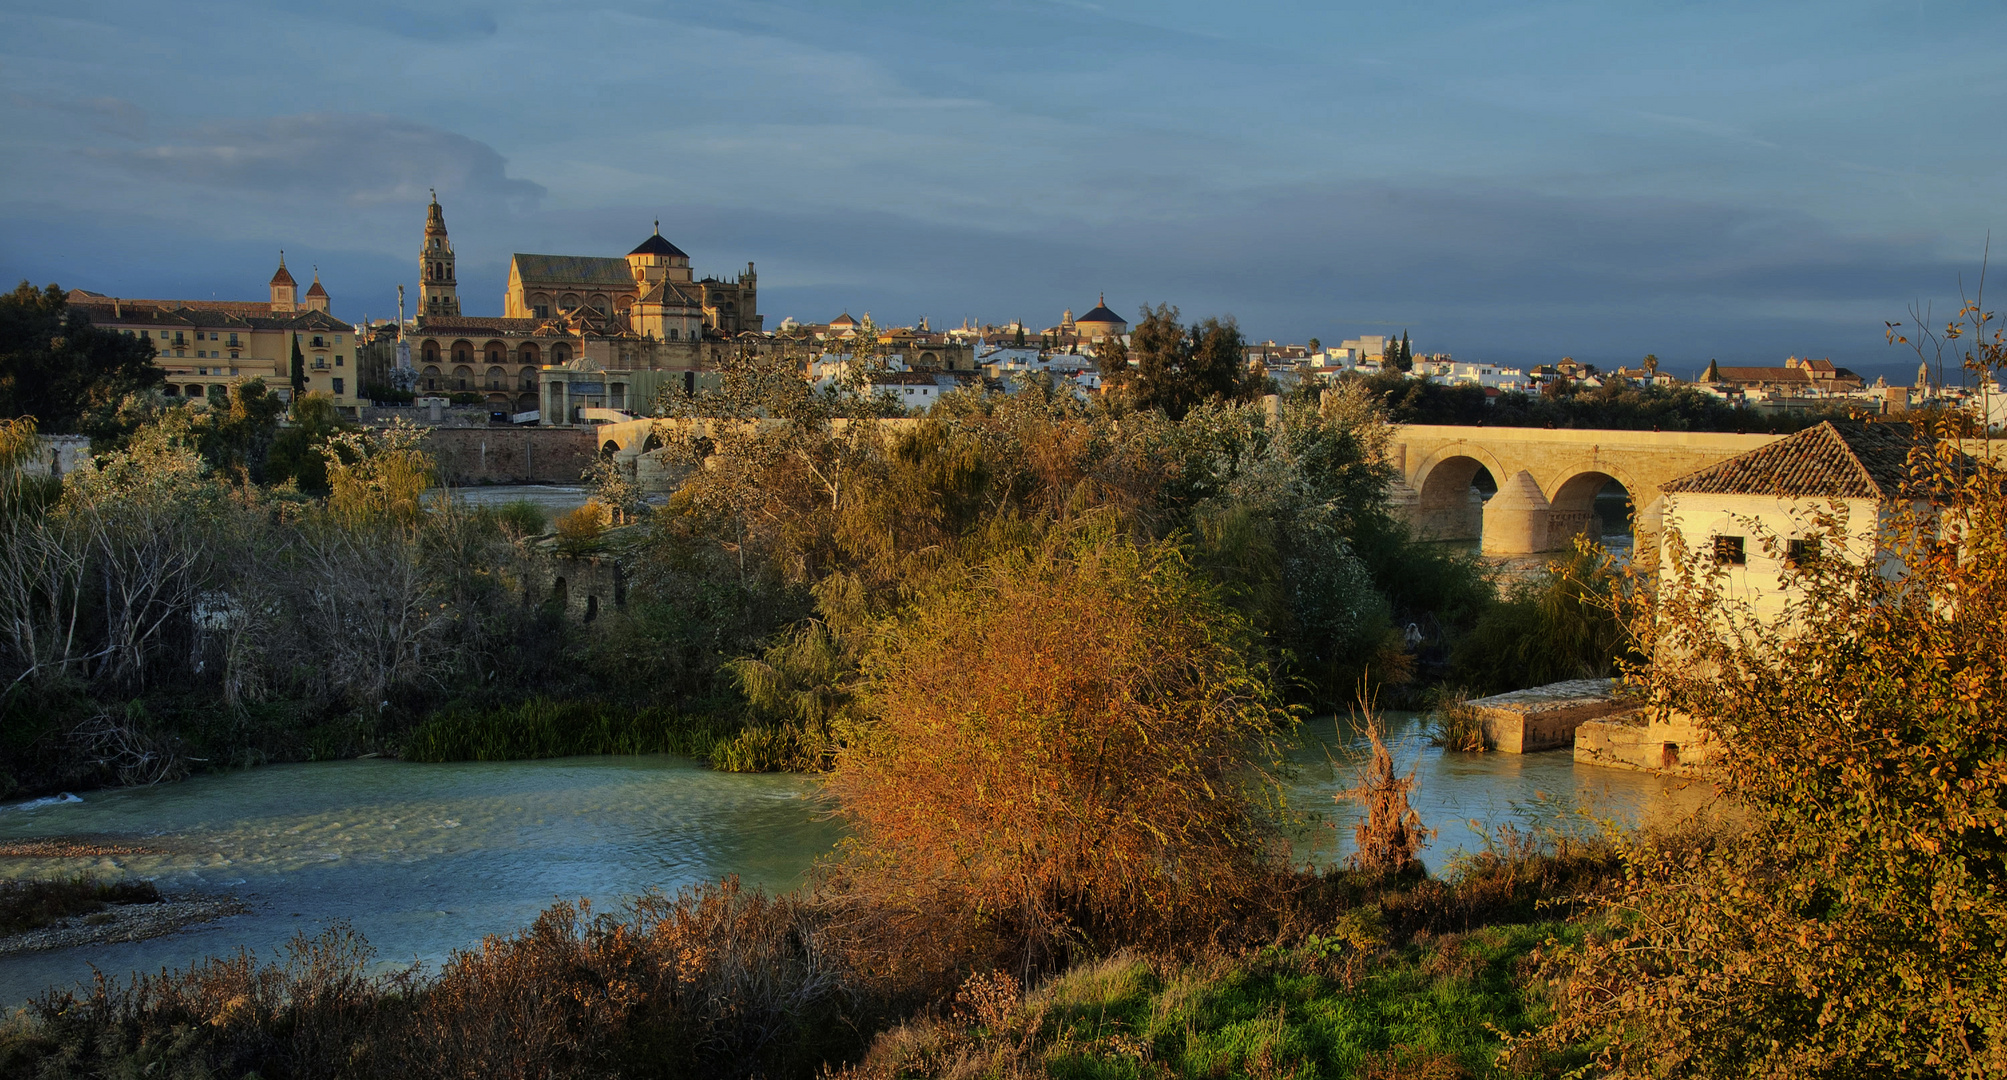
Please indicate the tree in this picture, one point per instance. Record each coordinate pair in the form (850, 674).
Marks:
(58, 368)
(1651, 364)
(1316, 345)
(1068, 747)
(1178, 367)
(299, 370)
(1854, 929)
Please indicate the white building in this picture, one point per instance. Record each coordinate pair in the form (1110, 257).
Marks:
(1757, 514)
(1489, 376)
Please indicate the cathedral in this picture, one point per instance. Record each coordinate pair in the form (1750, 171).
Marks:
(578, 332)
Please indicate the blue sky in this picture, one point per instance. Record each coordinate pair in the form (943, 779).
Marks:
(1510, 181)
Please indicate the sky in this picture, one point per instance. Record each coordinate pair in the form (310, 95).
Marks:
(1503, 181)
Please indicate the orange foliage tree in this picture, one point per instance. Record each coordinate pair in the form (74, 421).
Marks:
(1857, 928)
(1071, 745)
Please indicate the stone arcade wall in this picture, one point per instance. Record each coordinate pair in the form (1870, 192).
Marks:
(511, 455)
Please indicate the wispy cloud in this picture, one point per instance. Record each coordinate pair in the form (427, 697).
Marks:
(357, 160)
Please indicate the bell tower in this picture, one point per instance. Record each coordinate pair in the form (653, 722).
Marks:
(438, 294)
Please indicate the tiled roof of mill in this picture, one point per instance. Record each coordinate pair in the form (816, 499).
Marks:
(1846, 460)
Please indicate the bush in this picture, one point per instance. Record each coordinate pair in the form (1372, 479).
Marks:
(520, 517)
(30, 905)
(1070, 746)
(1562, 624)
(1454, 724)
(712, 982)
(579, 529)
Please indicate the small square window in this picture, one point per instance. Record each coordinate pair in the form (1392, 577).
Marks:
(1728, 551)
(337, 387)
(1802, 552)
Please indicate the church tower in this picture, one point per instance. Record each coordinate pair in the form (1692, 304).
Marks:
(437, 293)
(317, 297)
(285, 291)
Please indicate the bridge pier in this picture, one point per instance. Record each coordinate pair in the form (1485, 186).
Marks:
(1516, 519)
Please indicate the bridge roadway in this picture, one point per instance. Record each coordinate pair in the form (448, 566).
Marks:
(1547, 479)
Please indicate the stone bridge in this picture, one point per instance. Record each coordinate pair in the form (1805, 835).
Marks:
(1547, 480)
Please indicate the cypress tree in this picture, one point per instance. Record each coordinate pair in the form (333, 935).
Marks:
(299, 370)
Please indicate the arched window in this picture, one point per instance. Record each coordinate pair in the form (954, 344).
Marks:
(429, 351)
(569, 303)
(463, 352)
(497, 379)
(527, 355)
(527, 379)
(560, 353)
(496, 351)
(462, 377)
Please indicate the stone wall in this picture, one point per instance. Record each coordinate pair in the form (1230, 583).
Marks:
(1673, 743)
(1545, 717)
(511, 455)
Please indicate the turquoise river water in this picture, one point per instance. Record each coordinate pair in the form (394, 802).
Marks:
(425, 859)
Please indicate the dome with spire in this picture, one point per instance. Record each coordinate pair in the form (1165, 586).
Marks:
(1100, 323)
(1102, 314)
(282, 277)
(656, 245)
(315, 289)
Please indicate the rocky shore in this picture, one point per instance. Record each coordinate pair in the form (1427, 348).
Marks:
(123, 922)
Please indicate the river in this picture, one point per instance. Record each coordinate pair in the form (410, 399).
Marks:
(424, 859)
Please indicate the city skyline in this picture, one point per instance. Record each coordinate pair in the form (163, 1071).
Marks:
(1504, 184)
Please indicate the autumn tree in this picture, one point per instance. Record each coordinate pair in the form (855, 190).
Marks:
(1068, 747)
(1854, 928)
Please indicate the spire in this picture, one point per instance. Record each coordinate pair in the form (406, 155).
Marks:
(435, 218)
(282, 277)
(1713, 372)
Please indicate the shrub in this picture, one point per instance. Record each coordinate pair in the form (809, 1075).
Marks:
(1454, 724)
(580, 528)
(1561, 624)
(1388, 838)
(712, 982)
(520, 517)
(30, 905)
(1069, 746)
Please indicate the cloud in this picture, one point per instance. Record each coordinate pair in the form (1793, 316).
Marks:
(104, 115)
(360, 160)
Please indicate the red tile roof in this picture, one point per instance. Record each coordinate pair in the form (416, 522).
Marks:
(1847, 460)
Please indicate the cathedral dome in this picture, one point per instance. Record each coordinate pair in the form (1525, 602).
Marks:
(656, 245)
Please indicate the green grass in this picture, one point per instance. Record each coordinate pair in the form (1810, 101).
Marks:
(31, 905)
(543, 728)
(1336, 1007)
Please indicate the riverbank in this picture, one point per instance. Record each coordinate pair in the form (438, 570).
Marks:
(123, 923)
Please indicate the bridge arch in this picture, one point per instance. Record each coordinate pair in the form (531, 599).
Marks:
(1447, 506)
(1573, 502)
